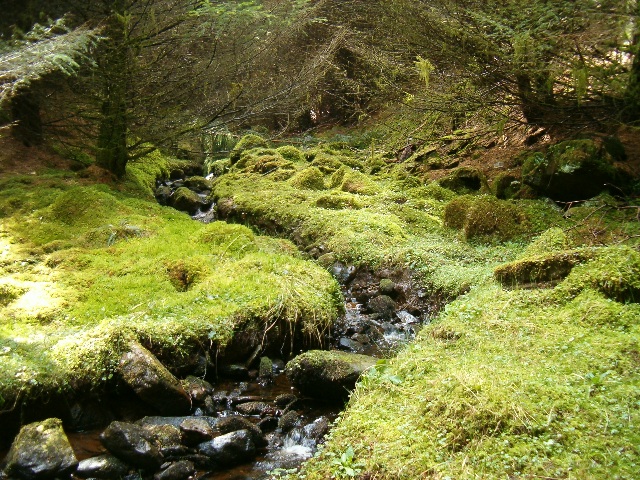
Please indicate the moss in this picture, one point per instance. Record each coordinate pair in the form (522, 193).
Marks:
(291, 153)
(455, 212)
(310, 178)
(246, 143)
(326, 163)
(352, 181)
(531, 387)
(614, 272)
(197, 183)
(9, 292)
(541, 268)
(485, 217)
(90, 206)
(218, 167)
(434, 191)
(465, 180)
(506, 186)
(549, 241)
(339, 201)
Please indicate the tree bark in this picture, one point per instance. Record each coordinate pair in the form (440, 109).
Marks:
(25, 111)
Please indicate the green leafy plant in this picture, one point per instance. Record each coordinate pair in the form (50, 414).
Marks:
(346, 466)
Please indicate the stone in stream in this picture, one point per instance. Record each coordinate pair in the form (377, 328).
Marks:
(163, 194)
(180, 470)
(288, 420)
(197, 388)
(102, 466)
(236, 422)
(130, 443)
(383, 305)
(265, 371)
(230, 449)
(152, 382)
(254, 408)
(349, 345)
(186, 200)
(327, 375)
(167, 438)
(285, 399)
(41, 450)
(196, 430)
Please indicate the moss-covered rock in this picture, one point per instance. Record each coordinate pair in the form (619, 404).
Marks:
(485, 217)
(186, 200)
(310, 178)
(198, 183)
(614, 272)
(291, 153)
(326, 163)
(327, 375)
(570, 170)
(339, 201)
(9, 292)
(506, 186)
(465, 180)
(41, 450)
(352, 181)
(246, 143)
(543, 268)
(549, 241)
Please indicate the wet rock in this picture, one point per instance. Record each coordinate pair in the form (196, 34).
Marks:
(265, 372)
(88, 415)
(361, 338)
(167, 438)
(318, 429)
(234, 372)
(163, 195)
(268, 424)
(195, 431)
(186, 200)
(387, 287)
(152, 382)
(464, 180)
(285, 399)
(383, 305)
(329, 375)
(231, 449)
(288, 421)
(129, 442)
(349, 345)
(278, 365)
(41, 450)
(198, 184)
(406, 318)
(180, 470)
(102, 466)
(197, 388)
(254, 408)
(342, 272)
(175, 421)
(235, 423)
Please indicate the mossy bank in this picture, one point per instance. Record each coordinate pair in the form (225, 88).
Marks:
(87, 267)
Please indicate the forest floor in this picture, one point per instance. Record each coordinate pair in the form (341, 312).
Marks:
(531, 370)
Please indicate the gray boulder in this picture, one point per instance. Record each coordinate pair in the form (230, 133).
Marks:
(327, 375)
(102, 466)
(41, 450)
(235, 423)
(180, 470)
(152, 382)
(130, 443)
(383, 305)
(231, 449)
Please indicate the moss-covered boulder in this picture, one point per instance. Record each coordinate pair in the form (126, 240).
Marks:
(339, 201)
(485, 217)
(506, 185)
(551, 240)
(291, 153)
(326, 163)
(186, 200)
(246, 143)
(465, 180)
(41, 450)
(570, 170)
(327, 375)
(614, 272)
(310, 178)
(542, 268)
(353, 181)
(198, 183)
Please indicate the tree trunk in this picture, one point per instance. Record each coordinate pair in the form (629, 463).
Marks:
(631, 111)
(25, 111)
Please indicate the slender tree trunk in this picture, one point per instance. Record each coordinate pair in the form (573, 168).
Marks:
(631, 111)
(27, 126)
(112, 152)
